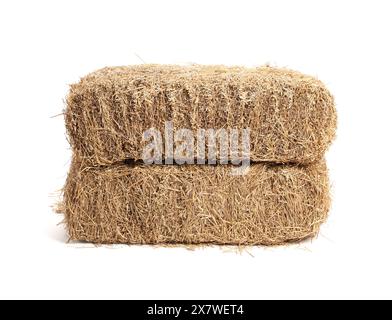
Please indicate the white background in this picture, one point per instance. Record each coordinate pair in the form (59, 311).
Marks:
(46, 45)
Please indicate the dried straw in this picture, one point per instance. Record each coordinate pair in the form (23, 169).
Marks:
(291, 116)
(138, 204)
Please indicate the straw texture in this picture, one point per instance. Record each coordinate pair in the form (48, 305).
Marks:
(190, 204)
(291, 116)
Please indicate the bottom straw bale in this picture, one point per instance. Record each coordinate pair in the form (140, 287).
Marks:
(191, 204)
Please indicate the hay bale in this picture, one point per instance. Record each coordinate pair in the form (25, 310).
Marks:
(191, 204)
(291, 116)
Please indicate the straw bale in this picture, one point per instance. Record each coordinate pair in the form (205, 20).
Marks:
(195, 204)
(291, 116)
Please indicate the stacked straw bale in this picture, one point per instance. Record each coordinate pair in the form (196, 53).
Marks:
(291, 116)
(111, 197)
